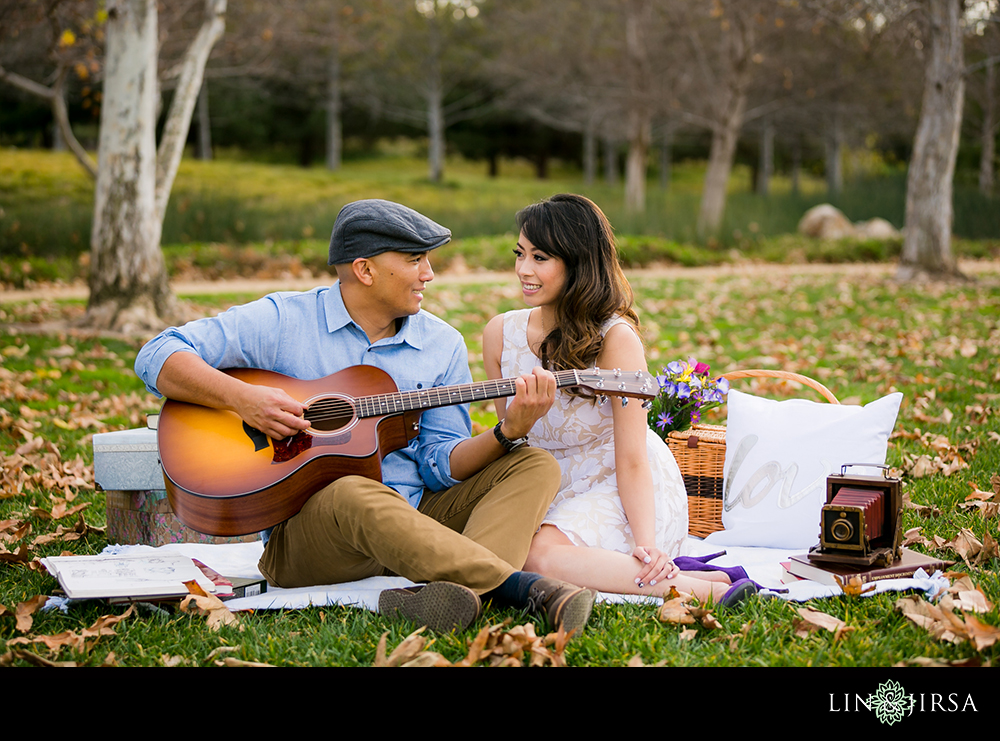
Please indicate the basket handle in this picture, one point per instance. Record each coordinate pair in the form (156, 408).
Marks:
(804, 380)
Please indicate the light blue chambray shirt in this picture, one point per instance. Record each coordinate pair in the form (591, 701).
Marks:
(310, 335)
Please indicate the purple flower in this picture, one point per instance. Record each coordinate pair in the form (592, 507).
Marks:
(702, 369)
(683, 391)
(664, 419)
(675, 367)
(722, 384)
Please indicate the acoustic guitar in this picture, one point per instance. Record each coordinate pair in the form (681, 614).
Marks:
(224, 477)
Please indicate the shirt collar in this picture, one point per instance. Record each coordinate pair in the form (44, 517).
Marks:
(337, 317)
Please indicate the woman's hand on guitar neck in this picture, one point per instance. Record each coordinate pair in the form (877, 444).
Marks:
(535, 393)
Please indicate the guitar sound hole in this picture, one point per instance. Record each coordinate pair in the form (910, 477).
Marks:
(328, 425)
(329, 415)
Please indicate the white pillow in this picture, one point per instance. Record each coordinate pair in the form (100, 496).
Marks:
(778, 455)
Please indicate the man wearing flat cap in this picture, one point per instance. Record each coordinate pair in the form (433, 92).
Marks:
(453, 511)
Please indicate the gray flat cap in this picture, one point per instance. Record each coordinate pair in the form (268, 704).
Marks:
(369, 228)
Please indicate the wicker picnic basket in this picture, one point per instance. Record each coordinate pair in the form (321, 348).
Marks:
(701, 452)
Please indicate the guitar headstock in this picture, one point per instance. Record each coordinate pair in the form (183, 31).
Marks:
(638, 384)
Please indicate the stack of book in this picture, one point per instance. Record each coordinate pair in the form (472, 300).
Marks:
(800, 567)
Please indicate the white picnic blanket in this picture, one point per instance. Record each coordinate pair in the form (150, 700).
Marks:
(763, 565)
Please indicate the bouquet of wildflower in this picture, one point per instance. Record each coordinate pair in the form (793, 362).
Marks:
(686, 391)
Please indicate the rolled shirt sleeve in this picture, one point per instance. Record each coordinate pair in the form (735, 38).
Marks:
(230, 340)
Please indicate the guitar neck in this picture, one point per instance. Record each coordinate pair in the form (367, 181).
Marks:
(443, 396)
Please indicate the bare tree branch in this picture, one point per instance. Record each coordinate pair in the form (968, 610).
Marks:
(54, 95)
(179, 118)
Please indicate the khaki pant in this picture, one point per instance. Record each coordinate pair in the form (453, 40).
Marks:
(476, 533)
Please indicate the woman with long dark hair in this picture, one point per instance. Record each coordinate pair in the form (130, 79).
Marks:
(621, 514)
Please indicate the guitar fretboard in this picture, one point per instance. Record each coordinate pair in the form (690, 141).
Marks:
(441, 396)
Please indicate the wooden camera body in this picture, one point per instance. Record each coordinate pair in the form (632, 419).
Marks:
(861, 523)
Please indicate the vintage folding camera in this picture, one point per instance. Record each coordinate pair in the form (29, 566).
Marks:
(861, 522)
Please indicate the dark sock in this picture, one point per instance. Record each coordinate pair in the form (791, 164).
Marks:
(514, 591)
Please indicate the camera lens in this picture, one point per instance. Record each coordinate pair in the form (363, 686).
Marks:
(842, 530)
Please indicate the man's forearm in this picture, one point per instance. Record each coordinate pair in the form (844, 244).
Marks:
(472, 455)
(186, 377)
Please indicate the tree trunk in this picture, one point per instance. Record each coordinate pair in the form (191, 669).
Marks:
(589, 153)
(435, 105)
(128, 279)
(610, 161)
(927, 242)
(640, 128)
(637, 19)
(834, 158)
(435, 132)
(988, 135)
(58, 140)
(720, 164)
(666, 158)
(334, 135)
(204, 124)
(765, 166)
(796, 165)
(729, 96)
(542, 165)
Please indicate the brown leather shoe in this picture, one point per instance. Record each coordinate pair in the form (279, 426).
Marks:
(563, 605)
(441, 605)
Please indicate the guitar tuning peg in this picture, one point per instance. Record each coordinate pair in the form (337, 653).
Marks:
(647, 405)
(624, 402)
(601, 400)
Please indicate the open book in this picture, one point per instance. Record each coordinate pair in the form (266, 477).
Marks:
(159, 575)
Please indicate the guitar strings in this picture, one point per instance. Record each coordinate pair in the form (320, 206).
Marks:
(335, 407)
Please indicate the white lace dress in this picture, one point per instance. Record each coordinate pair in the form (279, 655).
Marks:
(580, 435)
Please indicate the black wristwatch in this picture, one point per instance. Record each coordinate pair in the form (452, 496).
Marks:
(509, 445)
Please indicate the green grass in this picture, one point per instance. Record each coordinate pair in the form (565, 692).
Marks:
(861, 335)
(46, 202)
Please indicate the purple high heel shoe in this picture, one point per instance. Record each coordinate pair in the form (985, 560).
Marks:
(700, 563)
(738, 592)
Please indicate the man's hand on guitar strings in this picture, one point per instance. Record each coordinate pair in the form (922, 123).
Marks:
(272, 411)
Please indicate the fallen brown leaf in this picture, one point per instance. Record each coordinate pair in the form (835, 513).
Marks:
(230, 661)
(496, 645)
(213, 608)
(981, 635)
(972, 551)
(412, 645)
(32, 658)
(25, 611)
(676, 611)
(942, 623)
(814, 620)
(853, 587)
